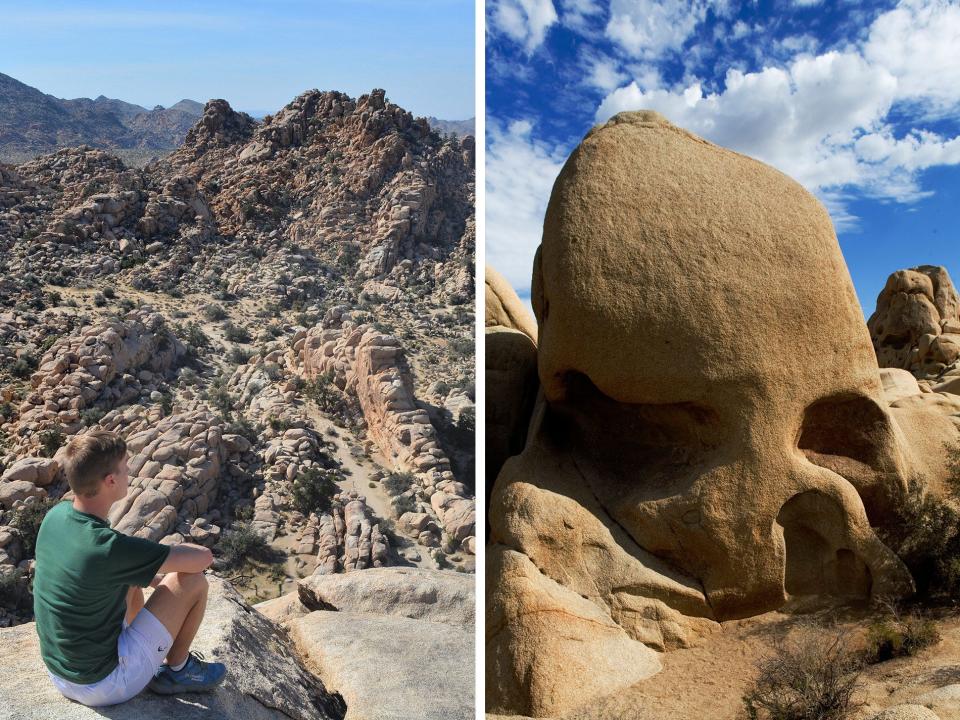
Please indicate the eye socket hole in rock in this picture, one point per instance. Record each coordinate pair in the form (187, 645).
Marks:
(816, 563)
(657, 443)
(847, 435)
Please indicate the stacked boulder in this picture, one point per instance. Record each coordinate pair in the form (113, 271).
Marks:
(372, 366)
(916, 325)
(179, 469)
(287, 455)
(104, 364)
(348, 538)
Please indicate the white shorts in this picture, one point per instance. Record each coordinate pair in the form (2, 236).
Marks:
(141, 648)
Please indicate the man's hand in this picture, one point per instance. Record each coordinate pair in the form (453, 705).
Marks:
(187, 558)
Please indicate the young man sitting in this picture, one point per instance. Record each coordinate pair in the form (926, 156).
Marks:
(100, 643)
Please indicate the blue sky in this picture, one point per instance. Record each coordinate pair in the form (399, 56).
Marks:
(257, 55)
(856, 100)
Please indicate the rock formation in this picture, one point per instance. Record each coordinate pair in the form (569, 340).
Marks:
(403, 633)
(266, 680)
(363, 362)
(698, 452)
(916, 325)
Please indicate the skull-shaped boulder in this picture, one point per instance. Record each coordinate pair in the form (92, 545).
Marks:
(711, 436)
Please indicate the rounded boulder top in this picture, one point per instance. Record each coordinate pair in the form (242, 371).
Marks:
(664, 251)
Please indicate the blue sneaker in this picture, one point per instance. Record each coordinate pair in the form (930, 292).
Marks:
(195, 676)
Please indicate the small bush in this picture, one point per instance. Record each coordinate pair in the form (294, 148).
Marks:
(93, 415)
(403, 504)
(196, 338)
(809, 678)
(273, 371)
(51, 440)
(242, 543)
(23, 366)
(239, 355)
(926, 536)
(896, 636)
(109, 292)
(313, 490)
(222, 401)
(26, 521)
(214, 313)
(13, 589)
(235, 333)
(99, 300)
(279, 424)
(462, 347)
(398, 482)
(329, 398)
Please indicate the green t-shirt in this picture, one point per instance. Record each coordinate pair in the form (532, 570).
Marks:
(84, 569)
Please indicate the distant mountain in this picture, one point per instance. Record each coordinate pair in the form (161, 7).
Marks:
(33, 123)
(447, 127)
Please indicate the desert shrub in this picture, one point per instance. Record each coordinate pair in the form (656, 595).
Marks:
(398, 482)
(808, 678)
(242, 426)
(13, 589)
(109, 292)
(403, 504)
(279, 424)
(99, 299)
(329, 398)
(126, 304)
(196, 338)
(23, 366)
(235, 333)
(239, 355)
(26, 521)
(896, 636)
(313, 490)
(93, 415)
(221, 400)
(926, 536)
(273, 370)
(214, 313)
(242, 543)
(51, 440)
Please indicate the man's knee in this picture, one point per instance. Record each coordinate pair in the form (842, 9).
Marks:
(191, 583)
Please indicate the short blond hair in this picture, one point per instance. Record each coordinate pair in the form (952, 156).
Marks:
(90, 458)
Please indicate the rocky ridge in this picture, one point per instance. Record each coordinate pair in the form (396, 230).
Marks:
(170, 303)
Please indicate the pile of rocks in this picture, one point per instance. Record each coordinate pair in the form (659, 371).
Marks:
(348, 538)
(371, 365)
(916, 325)
(179, 468)
(104, 364)
(287, 455)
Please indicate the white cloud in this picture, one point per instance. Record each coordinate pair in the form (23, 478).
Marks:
(605, 74)
(524, 21)
(825, 119)
(740, 29)
(520, 172)
(650, 28)
(919, 43)
(807, 3)
(577, 14)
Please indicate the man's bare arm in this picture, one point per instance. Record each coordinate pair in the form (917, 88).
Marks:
(187, 558)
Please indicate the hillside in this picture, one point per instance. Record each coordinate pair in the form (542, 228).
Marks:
(278, 317)
(32, 123)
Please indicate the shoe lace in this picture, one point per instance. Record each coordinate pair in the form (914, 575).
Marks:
(196, 656)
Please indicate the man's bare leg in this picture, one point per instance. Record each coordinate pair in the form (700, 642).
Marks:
(134, 603)
(179, 603)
